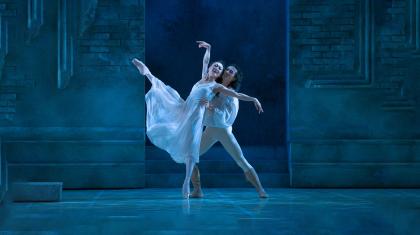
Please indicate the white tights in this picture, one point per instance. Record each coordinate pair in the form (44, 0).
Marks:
(225, 136)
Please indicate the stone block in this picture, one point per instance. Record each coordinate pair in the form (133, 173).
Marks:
(82, 175)
(357, 163)
(3, 177)
(36, 191)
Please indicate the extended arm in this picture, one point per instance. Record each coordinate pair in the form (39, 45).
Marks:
(206, 59)
(240, 96)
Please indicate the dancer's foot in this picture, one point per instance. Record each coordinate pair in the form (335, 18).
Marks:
(197, 193)
(186, 190)
(252, 177)
(263, 194)
(196, 182)
(141, 66)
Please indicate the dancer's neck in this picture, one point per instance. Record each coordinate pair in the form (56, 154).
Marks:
(209, 79)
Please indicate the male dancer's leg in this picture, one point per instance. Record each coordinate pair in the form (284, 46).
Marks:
(229, 142)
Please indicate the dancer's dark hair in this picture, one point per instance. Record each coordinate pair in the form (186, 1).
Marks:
(235, 84)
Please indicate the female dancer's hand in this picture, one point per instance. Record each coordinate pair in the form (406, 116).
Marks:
(211, 107)
(203, 44)
(258, 105)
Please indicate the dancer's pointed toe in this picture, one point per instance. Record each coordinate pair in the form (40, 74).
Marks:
(141, 67)
(263, 194)
(186, 190)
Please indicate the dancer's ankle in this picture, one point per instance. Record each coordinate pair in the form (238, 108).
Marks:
(197, 193)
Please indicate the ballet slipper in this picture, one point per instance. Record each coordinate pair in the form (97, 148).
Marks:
(195, 179)
(252, 177)
(197, 194)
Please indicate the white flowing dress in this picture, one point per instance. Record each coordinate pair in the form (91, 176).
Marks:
(173, 124)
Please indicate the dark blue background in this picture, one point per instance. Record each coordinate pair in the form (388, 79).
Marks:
(249, 33)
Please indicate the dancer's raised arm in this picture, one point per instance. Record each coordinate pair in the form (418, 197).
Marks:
(229, 92)
(206, 59)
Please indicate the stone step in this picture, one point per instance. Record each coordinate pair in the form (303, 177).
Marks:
(217, 180)
(217, 152)
(81, 175)
(215, 166)
(74, 151)
(36, 191)
(399, 102)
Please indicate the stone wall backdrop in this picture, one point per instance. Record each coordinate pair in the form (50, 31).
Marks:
(354, 93)
(71, 103)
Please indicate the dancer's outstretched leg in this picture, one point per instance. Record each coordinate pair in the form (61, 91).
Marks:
(143, 69)
(229, 142)
(189, 166)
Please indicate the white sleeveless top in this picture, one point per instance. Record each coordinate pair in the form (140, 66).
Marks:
(224, 113)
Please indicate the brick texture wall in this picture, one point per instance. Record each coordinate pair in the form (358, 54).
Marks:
(117, 34)
(353, 93)
(86, 130)
(10, 81)
(325, 39)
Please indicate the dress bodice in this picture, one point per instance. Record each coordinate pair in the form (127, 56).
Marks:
(201, 90)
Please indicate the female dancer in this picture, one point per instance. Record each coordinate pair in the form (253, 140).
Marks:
(218, 119)
(175, 125)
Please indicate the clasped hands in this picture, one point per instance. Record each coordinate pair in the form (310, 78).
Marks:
(206, 103)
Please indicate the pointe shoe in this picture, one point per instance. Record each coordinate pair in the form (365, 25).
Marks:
(195, 179)
(252, 177)
(186, 190)
(141, 67)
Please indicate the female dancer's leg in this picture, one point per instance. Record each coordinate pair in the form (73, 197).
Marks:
(189, 161)
(207, 141)
(189, 166)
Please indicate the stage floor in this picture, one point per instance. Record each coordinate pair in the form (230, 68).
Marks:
(222, 211)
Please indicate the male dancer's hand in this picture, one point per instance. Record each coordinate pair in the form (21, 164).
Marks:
(258, 106)
(204, 102)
